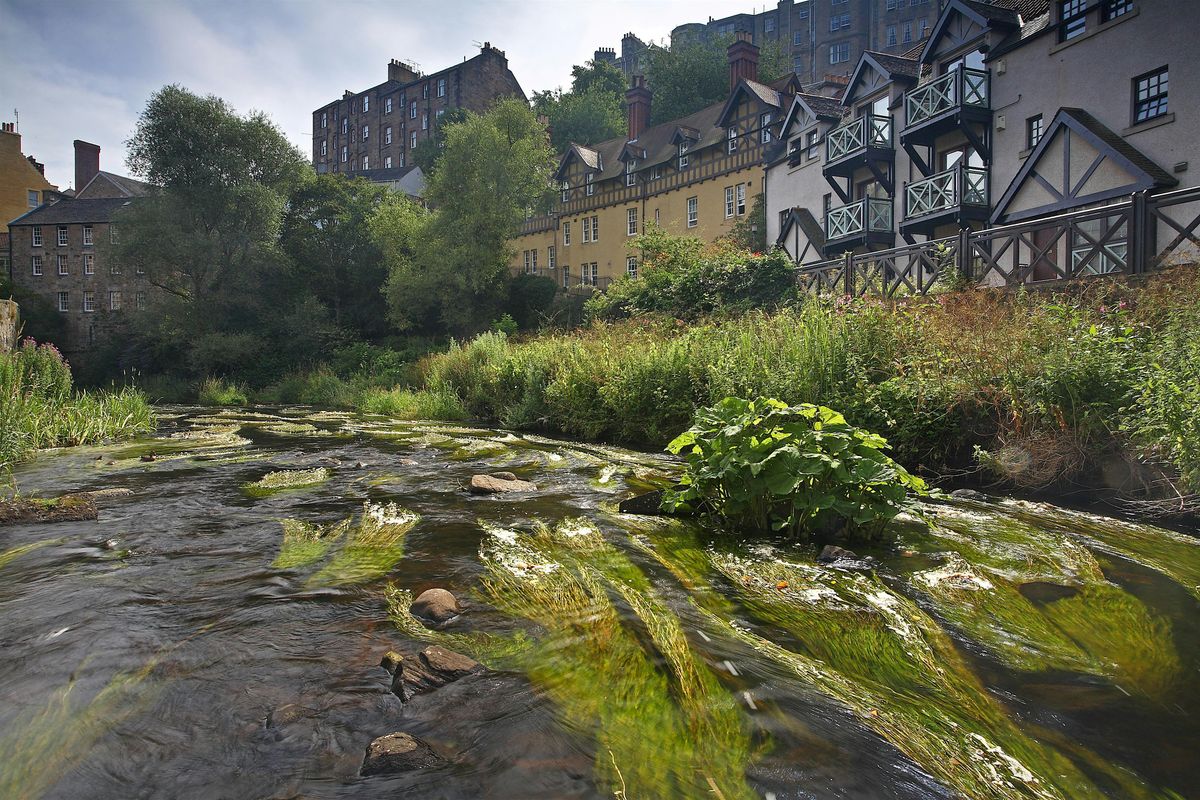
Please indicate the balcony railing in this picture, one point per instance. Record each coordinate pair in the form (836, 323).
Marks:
(959, 87)
(945, 191)
(868, 215)
(869, 131)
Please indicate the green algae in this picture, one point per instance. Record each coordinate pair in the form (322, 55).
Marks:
(370, 550)
(284, 428)
(9, 555)
(305, 543)
(285, 480)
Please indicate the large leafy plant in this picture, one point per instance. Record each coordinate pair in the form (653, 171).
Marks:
(765, 465)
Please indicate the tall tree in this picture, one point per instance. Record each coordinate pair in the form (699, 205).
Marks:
(428, 152)
(455, 259)
(695, 75)
(594, 109)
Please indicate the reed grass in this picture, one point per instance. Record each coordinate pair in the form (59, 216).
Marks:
(286, 480)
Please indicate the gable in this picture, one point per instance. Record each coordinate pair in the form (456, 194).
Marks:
(1078, 162)
(798, 119)
(742, 103)
(958, 26)
(868, 78)
(801, 236)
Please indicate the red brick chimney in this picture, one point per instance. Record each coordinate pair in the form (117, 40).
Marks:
(87, 162)
(743, 59)
(637, 104)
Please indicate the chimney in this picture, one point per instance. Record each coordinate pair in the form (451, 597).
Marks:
(402, 73)
(39, 166)
(743, 59)
(637, 106)
(87, 163)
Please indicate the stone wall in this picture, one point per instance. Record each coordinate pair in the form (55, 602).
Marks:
(10, 324)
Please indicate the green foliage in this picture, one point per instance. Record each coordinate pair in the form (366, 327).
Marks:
(529, 299)
(437, 402)
(505, 324)
(750, 232)
(428, 152)
(286, 480)
(38, 408)
(216, 392)
(592, 111)
(765, 465)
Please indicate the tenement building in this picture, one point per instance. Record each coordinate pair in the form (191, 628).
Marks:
(58, 249)
(373, 132)
(22, 179)
(1011, 110)
(697, 175)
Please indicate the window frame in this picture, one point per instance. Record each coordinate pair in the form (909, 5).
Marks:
(728, 202)
(1162, 76)
(63, 235)
(114, 300)
(62, 266)
(631, 267)
(566, 234)
(36, 236)
(64, 302)
(595, 228)
(89, 263)
(631, 221)
(684, 159)
(1036, 122)
(731, 138)
(764, 127)
(1074, 25)
(88, 240)
(589, 184)
(441, 87)
(36, 266)
(693, 211)
(89, 301)
(740, 199)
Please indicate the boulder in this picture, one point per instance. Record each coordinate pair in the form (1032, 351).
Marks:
(398, 752)
(969, 494)
(435, 668)
(493, 484)
(436, 606)
(649, 504)
(506, 476)
(831, 553)
(391, 661)
(449, 664)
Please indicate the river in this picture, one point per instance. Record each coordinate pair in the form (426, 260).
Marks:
(207, 638)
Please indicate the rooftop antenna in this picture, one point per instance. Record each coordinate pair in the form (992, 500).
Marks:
(17, 120)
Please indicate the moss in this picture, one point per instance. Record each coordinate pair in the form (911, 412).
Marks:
(7, 556)
(285, 480)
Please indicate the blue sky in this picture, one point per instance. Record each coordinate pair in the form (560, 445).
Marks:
(83, 70)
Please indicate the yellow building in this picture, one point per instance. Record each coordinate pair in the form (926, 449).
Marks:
(21, 182)
(692, 176)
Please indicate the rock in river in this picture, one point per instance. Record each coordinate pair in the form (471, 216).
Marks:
(398, 752)
(436, 606)
(435, 668)
(649, 503)
(494, 484)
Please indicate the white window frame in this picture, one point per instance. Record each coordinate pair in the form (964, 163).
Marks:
(139, 301)
(62, 235)
(589, 186)
(693, 212)
(387, 135)
(366, 163)
(441, 87)
(64, 301)
(61, 264)
(324, 120)
(387, 162)
(345, 125)
(87, 236)
(566, 234)
(631, 221)
(566, 276)
(740, 191)
(564, 189)
(764, 128)
(631, 266)
(587, 229)
(595, 229)
(89, 302)
(412, 110)
(89, 263)
(526, 267)
(387, 105)
(324, 148)
(412, 141)
(366, 132)
(345, 154)
(683, 156)
(534, 253)
(728, 202)
(114, 299)
(366, 103)
(630, 166)
(36, 265)
(425, 121)
(731, 140)
(37, 235)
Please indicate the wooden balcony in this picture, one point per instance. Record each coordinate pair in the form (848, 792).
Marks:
(957, 98)
(858, 143)
(868, 221)
(958, 196)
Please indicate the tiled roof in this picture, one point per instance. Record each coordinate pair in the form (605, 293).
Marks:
(823, 106)
(765, 93)
(897, 65)
(131, 187)
(382, 174)
(69, 211)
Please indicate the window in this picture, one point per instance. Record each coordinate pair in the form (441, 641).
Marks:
(89, 264)
(533, 256)
(114, 301)
(425, 91)
(564, 192)
(728, 202)
(655, 173)
(566, 234)
(37, 236)
(764, 128)
(412, 140)
(891, 36)
(631, 266)
(64, 301)
(587, 229)
(731, 146)
(37, 265)
(1115, 8)
(437, 116)
(589, 188)
(345, 125)
(345, 154)
(1150, 95)
(631, 222)
(797, 64)
(566, 279)
(366, 132)
(87, 235)
(693, 211)
(324, 119)
(387, 135)
(387, 162)
(683, 157)
(803, 12)
(1033, 131)
(441, 87)
(89, 301)
(365, 163)
(769, 25)
(1072, 19)
(114, 269)
(657, 216)
(812, 145)
(324, 148)
(839, 53)
(891, 5)
(922, 28)
(33, 199)
(630, 166)
(550, 257)
(527, 262)
(907, 32)
(595, 277)
(595, 229)
(400, 159)
(387, 106)
(412, 110)
(62, 235)
(366, 102)
(838, 21)
(425, 121)
(741, 199)
(139, 301)
(62, 264)
(797, 38)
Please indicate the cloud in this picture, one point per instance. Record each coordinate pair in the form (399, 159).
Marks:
(83, 70)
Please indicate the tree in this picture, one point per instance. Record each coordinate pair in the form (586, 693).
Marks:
(428, 152)
(594, 109)
(695, 75)
(448, 268)
(600, 76)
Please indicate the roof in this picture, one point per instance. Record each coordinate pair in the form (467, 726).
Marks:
(382, 174)
(896, 66)
(67, 211)
(105, 184)
(821, 107)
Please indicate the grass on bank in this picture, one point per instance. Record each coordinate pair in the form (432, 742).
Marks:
(39, 408)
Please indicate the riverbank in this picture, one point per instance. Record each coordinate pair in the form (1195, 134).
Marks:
(39, 409)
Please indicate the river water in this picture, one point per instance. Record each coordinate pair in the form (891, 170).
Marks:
(207, 638)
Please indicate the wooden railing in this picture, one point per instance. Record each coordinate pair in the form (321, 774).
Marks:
(872, 130)
(959, 87)
(945, 191)
(870, 214)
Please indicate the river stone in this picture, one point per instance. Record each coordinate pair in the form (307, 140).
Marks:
(969, 494)
(100, 495)
(435, 605)
(506, 476)
(831, 553)
(649, 504)
(493, 484)
(448, 663)
(391, 661)
(398, 752)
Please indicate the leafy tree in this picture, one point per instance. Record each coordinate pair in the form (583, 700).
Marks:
(448, 268)
(695, 75)
(594, 109)
(599, 76)
(428, 152)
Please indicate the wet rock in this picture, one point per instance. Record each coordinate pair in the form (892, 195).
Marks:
(433, 669)
(102, 495)
(969, 494)
(505, 476)
(287, 714)
(111, 544)
(399, 752)
(831, 553)
(149, 457)
(69, 507)
(449, 664)
(391, 661)
(492, 484)
(649, 504)
(436, 606)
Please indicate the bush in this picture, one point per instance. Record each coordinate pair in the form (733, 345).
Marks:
(529, 299)
(434, 403)
(216, 392)
(765, 465)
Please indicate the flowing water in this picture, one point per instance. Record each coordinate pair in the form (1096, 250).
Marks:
(217, 634)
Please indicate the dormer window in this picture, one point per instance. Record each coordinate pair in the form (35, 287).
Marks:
(564, 189)
(731, 140)
(764, 128)
(630, 166)
(589, 187)
(683, 156)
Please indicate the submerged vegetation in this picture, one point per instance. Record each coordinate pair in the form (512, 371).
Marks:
(38, 407)
(286, 479)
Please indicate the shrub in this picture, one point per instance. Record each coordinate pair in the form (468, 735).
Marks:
(434, 403)
(765, 465)
(216, 392)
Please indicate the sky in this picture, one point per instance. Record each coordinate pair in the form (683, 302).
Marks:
(83, 69)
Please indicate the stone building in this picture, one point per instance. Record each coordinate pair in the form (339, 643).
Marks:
(1011, 110)
(22, 179)
(58, 250)
(632, 60)
(697, 175)
(373, 132)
